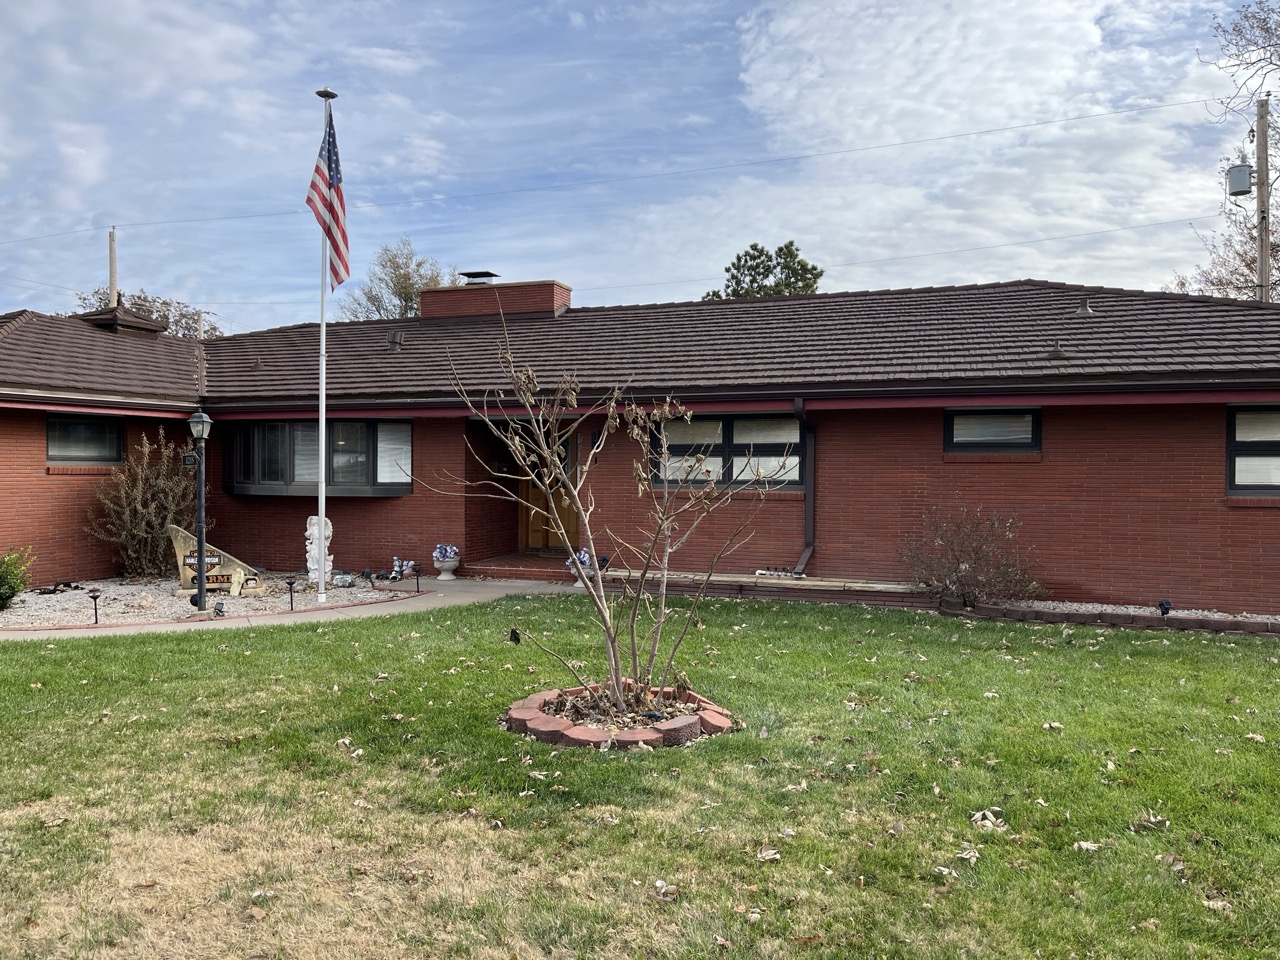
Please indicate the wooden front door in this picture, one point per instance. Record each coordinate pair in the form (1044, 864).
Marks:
(537, 532)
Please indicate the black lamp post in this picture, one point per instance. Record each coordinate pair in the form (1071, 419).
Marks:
(200, 425)
(94, 594)
(290, 581)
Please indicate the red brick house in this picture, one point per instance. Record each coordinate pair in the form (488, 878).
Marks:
(1135, 435)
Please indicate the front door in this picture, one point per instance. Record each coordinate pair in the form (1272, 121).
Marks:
(537, 531)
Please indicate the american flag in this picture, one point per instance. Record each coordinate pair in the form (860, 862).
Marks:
(326, 202)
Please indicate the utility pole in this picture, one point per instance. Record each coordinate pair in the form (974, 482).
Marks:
(113, 292)
(1264, 200)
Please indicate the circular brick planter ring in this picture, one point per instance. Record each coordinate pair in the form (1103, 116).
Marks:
(529, 717)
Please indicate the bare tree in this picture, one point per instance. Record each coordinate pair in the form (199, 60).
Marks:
(1231, 269)
(1249, 45)
(396, 277)
(183, 319)
(537, 427)
(1249, 53)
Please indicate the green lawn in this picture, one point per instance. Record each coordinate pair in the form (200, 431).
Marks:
(345, 791)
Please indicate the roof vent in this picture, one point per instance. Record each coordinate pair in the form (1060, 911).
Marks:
(395, 340)
(1084, 310)
(478, 276)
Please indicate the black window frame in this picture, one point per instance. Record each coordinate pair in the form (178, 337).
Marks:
(1236, 448)
(249, 440)
(727, 449)
(116, 423)
(951, 445)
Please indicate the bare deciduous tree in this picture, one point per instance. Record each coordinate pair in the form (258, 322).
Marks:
(396, 277)
(183, 319)
(1248, 44)
(537, 426)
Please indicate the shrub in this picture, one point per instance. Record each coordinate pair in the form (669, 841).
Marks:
(15, 573)
(139, 500)
(971, 556)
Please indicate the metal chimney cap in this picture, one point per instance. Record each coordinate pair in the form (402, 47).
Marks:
(1084, 310)
(478, 276)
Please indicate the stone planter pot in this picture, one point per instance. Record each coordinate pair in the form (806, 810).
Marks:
(446, 568)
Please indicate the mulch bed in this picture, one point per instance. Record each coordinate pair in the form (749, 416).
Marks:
(577, 718)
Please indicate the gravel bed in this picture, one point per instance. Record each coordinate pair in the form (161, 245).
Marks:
(153, 601)
(1069, 606)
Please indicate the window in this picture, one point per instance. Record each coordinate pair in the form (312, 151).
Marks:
(992, 431)
(84, 440)
(1253, 450)
(733, 449)
(369, 458)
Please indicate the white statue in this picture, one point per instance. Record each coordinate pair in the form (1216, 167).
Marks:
(313, 525)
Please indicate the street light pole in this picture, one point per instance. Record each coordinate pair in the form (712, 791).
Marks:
(200, 425)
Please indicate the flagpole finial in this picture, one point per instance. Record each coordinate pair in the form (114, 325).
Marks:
(326, 94)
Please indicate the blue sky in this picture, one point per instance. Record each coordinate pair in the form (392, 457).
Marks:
(628, 149)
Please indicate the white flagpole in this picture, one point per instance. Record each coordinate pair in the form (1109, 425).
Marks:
(321, 442)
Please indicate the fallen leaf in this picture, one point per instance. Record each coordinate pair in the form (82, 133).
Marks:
(722, 943)
(1149, 820)
(1221, 906)
(1255, 737)
(1052, 725)
(1088, 846)
(254, 913)
(767, 853)
(989, 819)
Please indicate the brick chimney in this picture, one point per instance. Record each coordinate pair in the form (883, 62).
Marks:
(533, 298)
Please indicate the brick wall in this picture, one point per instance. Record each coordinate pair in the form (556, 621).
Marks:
(492, 525)
(1125, 504)
(270, 532)
(777, 539)
(47, 507)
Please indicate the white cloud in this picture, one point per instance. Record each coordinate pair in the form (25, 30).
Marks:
(172, 110)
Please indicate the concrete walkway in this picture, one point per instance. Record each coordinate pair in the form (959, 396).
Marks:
(449, 594)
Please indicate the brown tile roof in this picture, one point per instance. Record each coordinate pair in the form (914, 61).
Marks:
(88, 359)
(1021, 335)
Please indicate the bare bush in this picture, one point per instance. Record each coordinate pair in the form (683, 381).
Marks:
(971, 556)
(139, 501)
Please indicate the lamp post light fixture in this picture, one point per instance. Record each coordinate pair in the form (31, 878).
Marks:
(289, 582)
(200, 425)
(417, 576)
(94, 594)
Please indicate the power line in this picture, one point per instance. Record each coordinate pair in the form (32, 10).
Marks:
(634, 177)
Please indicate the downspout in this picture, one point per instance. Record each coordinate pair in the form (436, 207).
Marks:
(810, 467)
